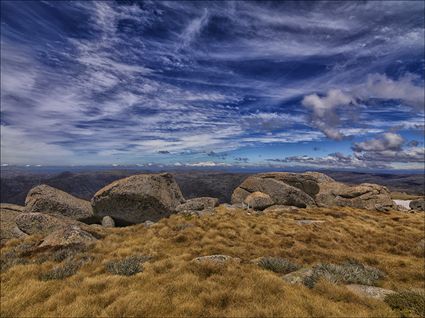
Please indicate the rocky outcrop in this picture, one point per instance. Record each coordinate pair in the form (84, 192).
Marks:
(107, 221)
(138, 198)
(40, 223)
(203, 205)
(364, 196)
(280, 192)
(258, 201)
(46, 199)
(70, 235)
(418, 205)
(8, 228)
(314, 188)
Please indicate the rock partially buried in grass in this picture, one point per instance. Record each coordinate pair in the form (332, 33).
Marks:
(298, 276)
(107, 221)
(198, 204)
(369, 291)
(71, 235)
(217, 259)
(40, 223)
(281, 209)
(46, 199)
(138, 198)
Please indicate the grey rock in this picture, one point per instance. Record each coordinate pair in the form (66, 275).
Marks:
(298, 276)
(138, 198)
(280, 192)
(107, 221)
(148, 223)
(364, 196)
(258, 201)
(198, 204)
(70, 235)
(8, 228)
(369, 291)
(282, 209)
(218, 259)
(418, 205)
(40, 223)
(46, 199)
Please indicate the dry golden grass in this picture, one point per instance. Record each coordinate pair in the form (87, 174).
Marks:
(171, 285)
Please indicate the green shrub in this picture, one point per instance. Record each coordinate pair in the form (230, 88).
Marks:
(127, 266)
(408, 303)
(278, 265)
(350, 272)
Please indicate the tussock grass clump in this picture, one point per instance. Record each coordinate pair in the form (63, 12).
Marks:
(68, 252)
(278, 265)
(127, 266)
(408, 303)
(61, 271)
(350, 272)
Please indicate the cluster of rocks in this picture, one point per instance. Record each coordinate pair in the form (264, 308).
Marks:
(146, 198)
(65, 219)
(309, 189)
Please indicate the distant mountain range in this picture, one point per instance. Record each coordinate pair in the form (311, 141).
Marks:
(83, 184)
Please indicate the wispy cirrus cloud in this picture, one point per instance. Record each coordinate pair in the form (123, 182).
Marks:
(106, 81)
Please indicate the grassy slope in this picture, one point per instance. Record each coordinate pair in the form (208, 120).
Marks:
(171, 285)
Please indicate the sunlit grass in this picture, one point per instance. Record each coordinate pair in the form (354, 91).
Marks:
(170, 284)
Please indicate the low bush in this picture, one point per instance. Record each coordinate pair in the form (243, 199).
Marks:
(128, 266)
(278, 265)
(61, 271)
(408, 303)
(68, 252)
(350, 272)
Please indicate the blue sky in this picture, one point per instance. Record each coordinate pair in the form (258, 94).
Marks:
(316, 84)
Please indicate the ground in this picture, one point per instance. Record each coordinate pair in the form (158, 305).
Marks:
(171, 284)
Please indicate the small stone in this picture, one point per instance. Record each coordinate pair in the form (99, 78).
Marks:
(107, 221)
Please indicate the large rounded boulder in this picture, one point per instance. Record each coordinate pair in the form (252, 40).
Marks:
(46, 199)
(138, 198)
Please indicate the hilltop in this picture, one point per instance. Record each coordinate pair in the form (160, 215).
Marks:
(286, 246)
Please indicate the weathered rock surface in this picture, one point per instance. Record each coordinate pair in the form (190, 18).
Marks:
(298, 276)
(198, 204)
(107, 221)
(46, 199)
(364, 196)
(369, 291)
(280, 192)
(8, 228)
(40, 223)
(218, 259)
(314, 188)
(281, 209)
(70, 235)
(418, 205)
(258, 200)
(138, 198)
